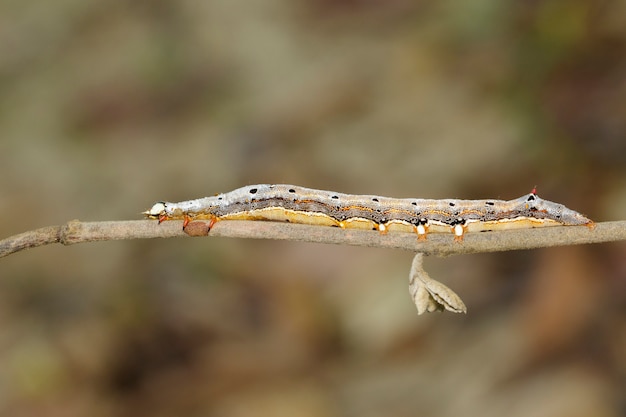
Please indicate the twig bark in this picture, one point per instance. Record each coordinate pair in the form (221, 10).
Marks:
(437, 244)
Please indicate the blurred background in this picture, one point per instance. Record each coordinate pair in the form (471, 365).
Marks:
(109, 106)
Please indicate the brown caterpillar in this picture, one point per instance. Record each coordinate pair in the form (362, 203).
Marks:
(279, 202)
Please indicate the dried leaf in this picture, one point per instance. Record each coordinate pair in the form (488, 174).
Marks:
(430, 295)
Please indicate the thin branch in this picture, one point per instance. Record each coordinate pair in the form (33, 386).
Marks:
(436, 244)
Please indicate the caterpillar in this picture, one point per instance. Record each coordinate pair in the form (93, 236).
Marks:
(290, 203)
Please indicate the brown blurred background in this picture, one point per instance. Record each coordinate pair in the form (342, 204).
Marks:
(109, 106)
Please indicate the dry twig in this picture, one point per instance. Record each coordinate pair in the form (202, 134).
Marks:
(428, 294)
(436, 244)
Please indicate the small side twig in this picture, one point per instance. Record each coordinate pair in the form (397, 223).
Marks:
(437, 244)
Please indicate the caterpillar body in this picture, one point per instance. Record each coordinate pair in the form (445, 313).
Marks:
(290, 203)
